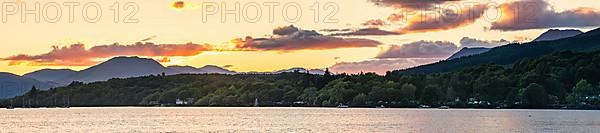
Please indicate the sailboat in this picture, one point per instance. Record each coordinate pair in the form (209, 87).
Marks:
(255, 102)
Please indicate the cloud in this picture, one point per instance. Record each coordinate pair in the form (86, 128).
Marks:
(227, 66)
(367, 32)
(77, 55)
(164, 59)
(285, 30)
(420, 49)
(375, 23)
(431, 15)
(380, 66)
(336, 30)
(539, 14)
(411, 4)
(447, 19)
(472, 42)
(286, 40)
(178, 4)
(148, 39)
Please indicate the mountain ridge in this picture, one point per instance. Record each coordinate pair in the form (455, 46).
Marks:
(468, 52)
(555, 34)
(508, 54)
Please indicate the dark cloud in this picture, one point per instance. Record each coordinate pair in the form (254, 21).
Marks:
(472, 42)
(420, 49)
(410, 4)
(367, 32)
(285, 30)
(148, 39)
(380, 66)
(539, 14)
(336, 30)
(77, 55)
(375, 23)
(300, 40)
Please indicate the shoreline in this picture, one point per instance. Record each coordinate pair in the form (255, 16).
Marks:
(332, 107)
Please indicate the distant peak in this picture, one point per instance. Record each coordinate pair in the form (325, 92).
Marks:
(128, 57)
(555, 34)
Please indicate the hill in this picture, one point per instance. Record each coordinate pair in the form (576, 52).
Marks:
(15, 85)
(468, 52)
(53, 75)
(118, 67)
(508, 54)
(555, 34)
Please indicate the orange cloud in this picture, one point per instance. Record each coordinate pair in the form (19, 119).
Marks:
(447, 19)
(164, 59)
(77, 55)
(178, 4)
(423, 16)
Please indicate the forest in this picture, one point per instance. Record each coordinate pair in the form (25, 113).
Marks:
(558, 80)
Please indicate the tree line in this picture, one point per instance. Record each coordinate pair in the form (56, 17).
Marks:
(555, 80)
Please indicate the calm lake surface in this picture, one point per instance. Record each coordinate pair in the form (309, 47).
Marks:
(216, 119)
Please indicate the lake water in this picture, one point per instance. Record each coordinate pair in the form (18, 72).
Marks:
(217, 119)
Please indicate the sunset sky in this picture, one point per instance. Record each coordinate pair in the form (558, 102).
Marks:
(363, 35)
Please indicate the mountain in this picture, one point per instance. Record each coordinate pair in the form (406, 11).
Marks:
(468, 52)
(208, 69)
(291, 70)
(508, 54)
(53, 75)
(301, 70)
(14, 85)
(118, 67)
(555, 34)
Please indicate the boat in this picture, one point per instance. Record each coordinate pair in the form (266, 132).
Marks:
(380, 106)
(443, 107)
(10, 107)
(255, 102)
(424, 106)
(342, 106)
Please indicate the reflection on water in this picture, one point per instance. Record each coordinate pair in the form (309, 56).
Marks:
(135, 119)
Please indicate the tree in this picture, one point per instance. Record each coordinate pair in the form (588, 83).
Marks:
(582, 89)
(535, 95)
(408, 91)
(33, 93)
(432, 94)
(359, 100)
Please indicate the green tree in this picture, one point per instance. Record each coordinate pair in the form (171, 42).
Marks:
(359, 100)
(432, 94)
(582, 89)
(408, 91)
(535, 95)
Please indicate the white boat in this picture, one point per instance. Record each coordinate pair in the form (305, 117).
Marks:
(342, 106)
(443, 107)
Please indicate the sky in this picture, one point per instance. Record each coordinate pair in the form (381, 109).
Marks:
(342, 35)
